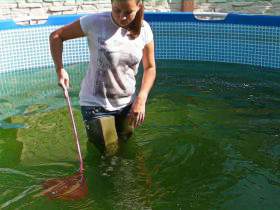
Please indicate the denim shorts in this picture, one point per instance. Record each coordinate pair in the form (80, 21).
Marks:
(93, 112)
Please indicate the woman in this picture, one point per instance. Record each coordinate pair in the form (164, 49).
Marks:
(117, 40)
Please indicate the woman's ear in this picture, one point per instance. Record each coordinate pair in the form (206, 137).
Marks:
(140, 4)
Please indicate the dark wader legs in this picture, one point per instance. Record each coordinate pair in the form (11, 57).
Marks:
(124, 130)
(106, 128)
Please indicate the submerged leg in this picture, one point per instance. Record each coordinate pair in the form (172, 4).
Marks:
(124, 129)
(102, 133)
(106, 129)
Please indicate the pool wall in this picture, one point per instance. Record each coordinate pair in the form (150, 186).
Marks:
(243, 39)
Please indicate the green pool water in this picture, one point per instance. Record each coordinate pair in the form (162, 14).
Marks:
(210, 141)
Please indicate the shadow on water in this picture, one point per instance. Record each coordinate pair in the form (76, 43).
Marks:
(10, 149)
(45, 150)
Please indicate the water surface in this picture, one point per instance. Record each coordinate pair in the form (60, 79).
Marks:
(210, 141)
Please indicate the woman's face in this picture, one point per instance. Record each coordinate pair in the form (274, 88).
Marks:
(124, 11)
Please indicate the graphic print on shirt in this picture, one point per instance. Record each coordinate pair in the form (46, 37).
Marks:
(116, 66)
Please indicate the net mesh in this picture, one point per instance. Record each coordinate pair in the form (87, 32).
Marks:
(27, 48)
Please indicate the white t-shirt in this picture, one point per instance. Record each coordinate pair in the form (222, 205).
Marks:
(114, 60)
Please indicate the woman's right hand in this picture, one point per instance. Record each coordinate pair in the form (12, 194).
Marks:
(63, 78)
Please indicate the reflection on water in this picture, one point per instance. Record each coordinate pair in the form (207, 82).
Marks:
(210, 141)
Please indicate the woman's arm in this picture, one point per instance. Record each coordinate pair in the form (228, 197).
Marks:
(71, 31)
(137, 113)
(149, 71)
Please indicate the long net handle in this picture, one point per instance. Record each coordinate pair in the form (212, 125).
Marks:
(74, 128)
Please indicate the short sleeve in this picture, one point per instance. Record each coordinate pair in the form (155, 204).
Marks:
(148, 33)
(86, 23)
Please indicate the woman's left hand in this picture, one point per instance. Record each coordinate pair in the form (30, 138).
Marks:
(137, 112)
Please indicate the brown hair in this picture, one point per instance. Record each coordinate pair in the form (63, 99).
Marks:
(135, 26)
